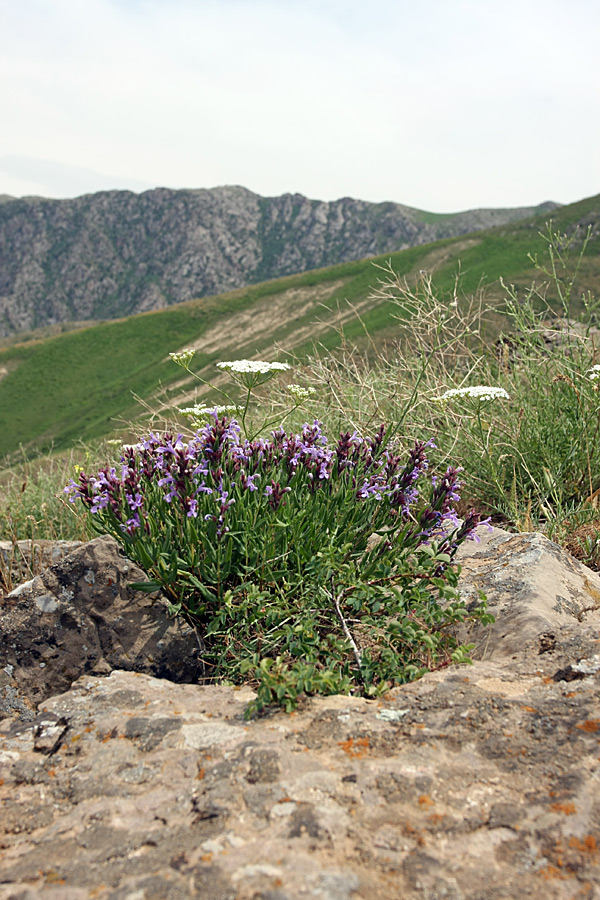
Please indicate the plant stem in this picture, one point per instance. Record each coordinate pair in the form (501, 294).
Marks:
(345, 628)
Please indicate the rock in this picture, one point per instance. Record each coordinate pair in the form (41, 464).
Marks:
(80, 616)
(474, 783)
(20, 560)
(533, 588)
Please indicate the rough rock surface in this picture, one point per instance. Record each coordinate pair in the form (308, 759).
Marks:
(475, 783)
(22, 560)
(117, 253)
(80, 615)
(533, 588)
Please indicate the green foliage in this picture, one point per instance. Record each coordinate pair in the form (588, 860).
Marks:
(309, 569)
(537, 457)
(33, 505)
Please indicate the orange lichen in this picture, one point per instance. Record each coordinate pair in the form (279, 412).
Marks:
(552, 872)
(355, 748)
(587, 845)
(425, 800)
(567, 808)
(414, 833)
(590, 725)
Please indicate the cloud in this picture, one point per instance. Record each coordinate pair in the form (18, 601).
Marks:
(442, 104)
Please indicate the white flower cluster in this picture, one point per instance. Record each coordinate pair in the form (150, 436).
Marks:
(252, 367)
(299, 392)
(479, 392)
(199, 412)
(183, 358)
(593, 373)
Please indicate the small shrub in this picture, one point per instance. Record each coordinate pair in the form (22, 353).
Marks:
(311, 569)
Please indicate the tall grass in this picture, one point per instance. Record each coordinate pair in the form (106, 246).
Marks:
(532, 462)
(32, 502)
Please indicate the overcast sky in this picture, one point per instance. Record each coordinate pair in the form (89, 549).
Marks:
(439, 104)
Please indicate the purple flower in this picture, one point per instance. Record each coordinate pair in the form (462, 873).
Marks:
(134, 502)
(101, 501)
(132, 524)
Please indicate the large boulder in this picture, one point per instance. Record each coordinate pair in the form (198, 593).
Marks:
(474, 783)
(81, 615)
(22, 560)
(533, 587)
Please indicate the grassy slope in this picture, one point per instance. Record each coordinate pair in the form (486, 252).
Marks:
(70, 387)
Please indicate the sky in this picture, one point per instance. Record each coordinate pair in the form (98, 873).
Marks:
(443, 105)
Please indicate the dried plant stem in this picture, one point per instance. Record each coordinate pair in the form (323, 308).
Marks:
(345, 628)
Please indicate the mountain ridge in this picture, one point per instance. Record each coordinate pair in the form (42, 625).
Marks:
(118, 253)
(80, 383)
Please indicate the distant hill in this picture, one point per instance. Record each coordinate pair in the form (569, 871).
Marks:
(57, 390)
(116, 253)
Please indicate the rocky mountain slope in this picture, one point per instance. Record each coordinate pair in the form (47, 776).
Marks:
(116, 253)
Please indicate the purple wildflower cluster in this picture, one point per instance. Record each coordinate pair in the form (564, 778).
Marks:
(208, 475)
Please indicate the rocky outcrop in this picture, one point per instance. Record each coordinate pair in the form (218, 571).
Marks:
(21, 560)
(81, 615)
(117, 253)
(534, 588)
(475, 783)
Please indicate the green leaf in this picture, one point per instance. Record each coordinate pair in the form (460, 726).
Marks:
(148, 587)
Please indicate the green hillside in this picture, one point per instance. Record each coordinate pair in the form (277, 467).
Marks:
(57, 390)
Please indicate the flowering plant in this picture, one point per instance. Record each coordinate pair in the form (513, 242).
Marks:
(594, 373)
(481, 393)
(309, 567)
(247, 374)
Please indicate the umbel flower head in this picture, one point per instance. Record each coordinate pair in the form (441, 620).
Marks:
(594, 373)
(252, 372)
(300, 393)
(182, 358)
(198, 412)
(252, 367)
(478, 392)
